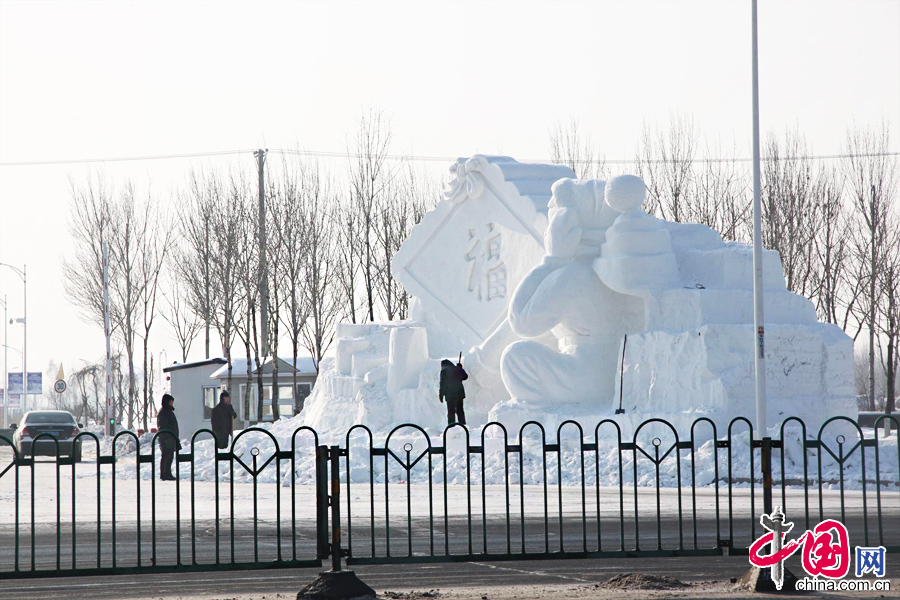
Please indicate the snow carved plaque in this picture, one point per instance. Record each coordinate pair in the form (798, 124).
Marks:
(468, 254)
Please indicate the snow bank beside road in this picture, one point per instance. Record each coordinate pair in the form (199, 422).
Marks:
(534, 466)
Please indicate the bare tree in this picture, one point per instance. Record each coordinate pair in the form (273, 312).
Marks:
(321, 300)
(226, 226)
(102, 216)
(346, 239)
(181, 316)
(889, 283)
(299, 190)
(153, 251)
(570, 148)
(788, 207)
(871, 174)
(90, 226)
(193, 259)
(829, 292)
(665, 161)
(369, 177)
(720, 196)
(409, 196)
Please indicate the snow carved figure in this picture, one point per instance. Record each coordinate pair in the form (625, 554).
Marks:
(563, 295)
(542, 276)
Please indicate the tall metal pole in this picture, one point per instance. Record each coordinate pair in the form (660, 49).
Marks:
(262, 275)
(5, 369)
(109, 388)
(25, 339)
(759, 322)
(23, 275)
(872, 257)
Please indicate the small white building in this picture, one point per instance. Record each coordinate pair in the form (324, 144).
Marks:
(196, 387)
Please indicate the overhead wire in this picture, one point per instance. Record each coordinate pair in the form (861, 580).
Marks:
(419, 158)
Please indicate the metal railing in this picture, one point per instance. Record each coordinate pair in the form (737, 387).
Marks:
(409, 499)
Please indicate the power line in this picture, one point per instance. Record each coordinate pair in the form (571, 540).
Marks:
(73, 161)
(422, 158)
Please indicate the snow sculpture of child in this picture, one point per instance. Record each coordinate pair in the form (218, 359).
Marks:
(565, 296)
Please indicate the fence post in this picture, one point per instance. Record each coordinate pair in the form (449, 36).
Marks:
(334, 584)
(322, 548)
(767, 475)
(335, 508)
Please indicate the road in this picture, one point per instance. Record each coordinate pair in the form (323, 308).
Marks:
(581, 579)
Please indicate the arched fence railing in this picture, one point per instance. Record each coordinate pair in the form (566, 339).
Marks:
(416, 495)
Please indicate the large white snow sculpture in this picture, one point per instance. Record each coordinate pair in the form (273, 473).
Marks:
(542, 276)
(564, 296)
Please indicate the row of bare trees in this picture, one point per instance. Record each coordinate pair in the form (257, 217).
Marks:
(332, 236)
(326, 258)
(137, 241)
(834, 221)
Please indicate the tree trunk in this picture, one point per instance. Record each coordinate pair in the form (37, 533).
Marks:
(146, 391)
(298, 404)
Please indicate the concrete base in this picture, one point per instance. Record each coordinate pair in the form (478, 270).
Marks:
(760, 580)
(336, 585)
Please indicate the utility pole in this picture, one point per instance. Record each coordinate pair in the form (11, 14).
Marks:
(110, 423)
(5, 371)
(874, 229)
(23, 275)
(759, 320)
(262, 274)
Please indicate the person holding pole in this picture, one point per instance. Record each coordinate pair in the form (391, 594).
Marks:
(451, 388)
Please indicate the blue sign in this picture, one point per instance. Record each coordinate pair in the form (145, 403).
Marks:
(35, 383)
(14, 383)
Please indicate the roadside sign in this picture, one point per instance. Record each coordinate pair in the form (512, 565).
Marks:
(14, 384)
(60, 386)
(35, 383)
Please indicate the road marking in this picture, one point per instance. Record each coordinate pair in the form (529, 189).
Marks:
(537, 573)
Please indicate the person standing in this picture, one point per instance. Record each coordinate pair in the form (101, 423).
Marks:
(166, 421)
(452, 377)
(222, 419)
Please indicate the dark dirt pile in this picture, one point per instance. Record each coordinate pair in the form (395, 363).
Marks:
(640, 581)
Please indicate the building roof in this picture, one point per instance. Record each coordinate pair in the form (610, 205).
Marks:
(305, 365)
(191, 365)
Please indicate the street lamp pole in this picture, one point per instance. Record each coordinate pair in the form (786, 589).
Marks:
(22, 273)
(5, 370)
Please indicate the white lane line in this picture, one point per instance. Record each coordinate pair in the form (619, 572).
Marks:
(538, 573)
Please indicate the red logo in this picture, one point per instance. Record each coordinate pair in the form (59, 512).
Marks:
(826, 550)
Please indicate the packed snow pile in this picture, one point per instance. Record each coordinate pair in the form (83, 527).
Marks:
(709, 465)
(565, 299)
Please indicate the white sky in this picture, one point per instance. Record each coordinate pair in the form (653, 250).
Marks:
(120, 79)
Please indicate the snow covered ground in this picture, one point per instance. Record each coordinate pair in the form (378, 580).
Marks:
(294, 486)
(600, 466)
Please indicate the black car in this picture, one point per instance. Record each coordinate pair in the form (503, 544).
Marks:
(58, 424)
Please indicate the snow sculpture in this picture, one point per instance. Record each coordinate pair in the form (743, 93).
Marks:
(564, 295)
(542, 277)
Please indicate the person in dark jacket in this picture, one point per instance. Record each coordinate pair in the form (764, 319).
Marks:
(452, 377)
(222, 419)
(166, 421)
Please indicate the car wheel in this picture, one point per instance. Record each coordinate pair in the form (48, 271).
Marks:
(76, 455)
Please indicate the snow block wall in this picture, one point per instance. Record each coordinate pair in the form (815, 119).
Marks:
(537, 278)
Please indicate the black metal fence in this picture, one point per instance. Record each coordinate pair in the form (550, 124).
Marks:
(406, 498)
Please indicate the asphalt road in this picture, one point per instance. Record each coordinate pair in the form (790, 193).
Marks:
(381, 577)
(260, 543)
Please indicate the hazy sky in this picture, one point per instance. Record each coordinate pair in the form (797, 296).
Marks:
(82, 80)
